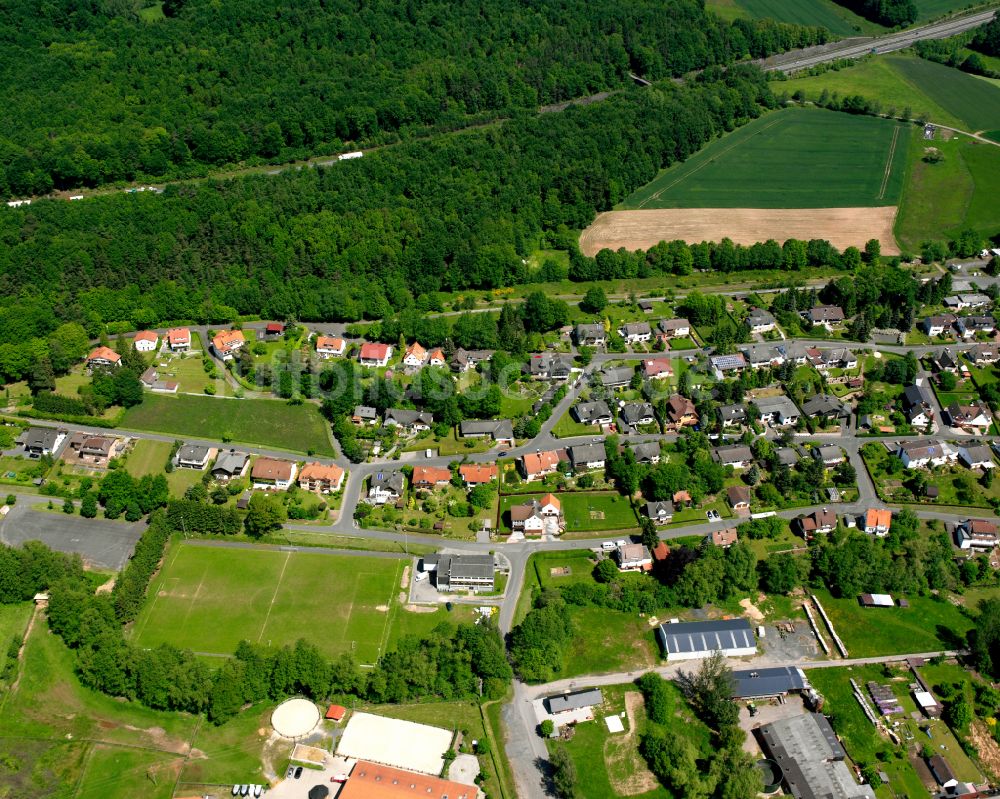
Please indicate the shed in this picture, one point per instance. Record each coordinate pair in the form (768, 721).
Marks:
(581, 699)
(336, 712)
(876, 601)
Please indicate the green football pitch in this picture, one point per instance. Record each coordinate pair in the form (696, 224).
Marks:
(794, 158)
(208, 599)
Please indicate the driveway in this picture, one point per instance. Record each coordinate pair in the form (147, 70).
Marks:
(102, 544)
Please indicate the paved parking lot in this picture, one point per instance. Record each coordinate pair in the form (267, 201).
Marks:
(102, 544)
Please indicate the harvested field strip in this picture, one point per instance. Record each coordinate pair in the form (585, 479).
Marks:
(640, 230)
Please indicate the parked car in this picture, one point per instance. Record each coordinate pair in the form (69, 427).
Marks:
(258, 790)
(236, 788)
(244, 790)
(298, 772)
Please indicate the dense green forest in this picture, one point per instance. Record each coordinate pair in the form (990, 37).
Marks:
(360, 239)
(94, 93)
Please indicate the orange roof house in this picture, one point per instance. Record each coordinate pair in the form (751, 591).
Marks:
(477, 473)
(178, 337)
(878, 520)
(550, 499)
(538, 463)
(374, 781)
(436, 356)
(660, 551)
(415, 353)
(320, 477)
(336, 712)
(227, 341)
(103, 356)
(146, 335)
(426, 476)
(329, 344)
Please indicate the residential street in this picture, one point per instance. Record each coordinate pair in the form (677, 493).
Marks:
(108, 544)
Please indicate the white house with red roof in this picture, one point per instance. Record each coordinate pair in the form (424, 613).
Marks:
(227, 342)
(330, 346)
(374, 354)
(146, 341)
(415, 355)
(103, 357)
(179, 339)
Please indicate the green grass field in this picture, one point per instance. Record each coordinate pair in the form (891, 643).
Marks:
(942, 198)
(585, 511)
(601, 756)
(268, 423)
(13, 622)
(927, 625)
(794, 158)
(209, 599)
(821, 13)
(975, 102)
(50, 719)
(877, 79)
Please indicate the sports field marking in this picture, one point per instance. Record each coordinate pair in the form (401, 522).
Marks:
(394, 608)
(277, 585)
(709, 161)
(888, 163)
(156, 594)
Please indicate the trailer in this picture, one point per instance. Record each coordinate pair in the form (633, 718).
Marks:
(350, 156)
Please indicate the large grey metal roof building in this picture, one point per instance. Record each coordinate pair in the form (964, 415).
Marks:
(811, 758)
(699, 639)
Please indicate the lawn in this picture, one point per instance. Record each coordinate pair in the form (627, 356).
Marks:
(51, 707)
(208, 600)
(128, 772)
(821, 13)
(232, 751)
(601, 756)
(608, 641)
(875, 78)
(70, 741)
(584, 511)
(604, 640)
(975, 102)
(13, 622)
(268, 423)
(942, 198)
(927, 625)
(794, 158)
(147, 457)
(569, 427)
(150, 457)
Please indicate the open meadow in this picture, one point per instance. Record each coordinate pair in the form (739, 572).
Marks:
(208, 599)
(822, 13)
(928, 624)
(939, 93)
(793, 158)
(267, 423)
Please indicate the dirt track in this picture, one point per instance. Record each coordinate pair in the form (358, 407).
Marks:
(640, 230)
